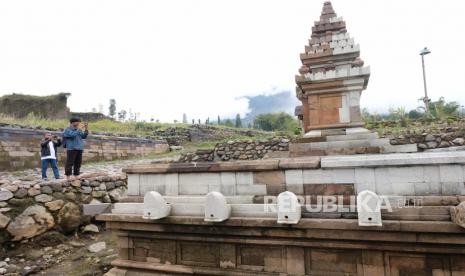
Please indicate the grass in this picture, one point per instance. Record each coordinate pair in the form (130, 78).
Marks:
(102, 126)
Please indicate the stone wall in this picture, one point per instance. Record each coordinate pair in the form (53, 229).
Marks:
(239, 150)
(20, 106)
(30, 206)
(20, 148)
(198, 133)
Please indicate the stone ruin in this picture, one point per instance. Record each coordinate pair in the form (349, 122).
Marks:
(344, 203)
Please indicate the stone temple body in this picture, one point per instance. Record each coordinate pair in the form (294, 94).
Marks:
(312, 212)
(331, 78)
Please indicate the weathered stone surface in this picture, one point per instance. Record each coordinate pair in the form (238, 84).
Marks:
(55, 205)
(33, 192)
(46, 190)
(4, 220)
(34, 221)
(5, 194)
(457, 214)
(92, 228)
(21, 193)
(42, 198)
(97, 247)
(69, 217)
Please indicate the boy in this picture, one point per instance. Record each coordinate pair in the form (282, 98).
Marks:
(48, 154)
(73, 141)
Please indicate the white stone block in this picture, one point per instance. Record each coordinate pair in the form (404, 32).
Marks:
(364, 175)
(316, 176)
(384, 188)
(216, 208)
(362, 186)
(382, 176)
(251, 189)
(403, 188)
(368, 208)
(133, 184)
(155, 206)
(398, 159)
(428, 188)
(431, 174)
(289, 209)
(294, 177)
(451, 173)
(357, 130)
(172, 184)
(244, 178)
(189, 210)
(313, 133)
(406, 174)
(199, 189)
(453, 188)
(228, 178)
(342, 176)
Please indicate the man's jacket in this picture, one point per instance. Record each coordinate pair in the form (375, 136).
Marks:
(45, 149)
(74, 138)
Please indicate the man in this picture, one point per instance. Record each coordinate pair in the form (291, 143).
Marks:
(73, 141)
(48, 154)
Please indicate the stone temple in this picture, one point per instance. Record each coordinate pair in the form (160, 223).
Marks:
(345, 202)
(332, 77)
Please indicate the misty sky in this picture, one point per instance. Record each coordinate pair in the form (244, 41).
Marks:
(165, 58)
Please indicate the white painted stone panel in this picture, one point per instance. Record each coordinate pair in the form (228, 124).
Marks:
(362, 186)
(428, 188)
(406, 174)
(294, 177)
(431, 174)
(244, 178)
(198, 189)
(382, 176)
(316, 176)
(343, 176)
(133, 184)
(451, 173)
(405, 188)
(228, 178)
(453, 188)
(364, 175)
(251, 189)
(172, 184)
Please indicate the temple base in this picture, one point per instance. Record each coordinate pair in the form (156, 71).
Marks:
(345, 141)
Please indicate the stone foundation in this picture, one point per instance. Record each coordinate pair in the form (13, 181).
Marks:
(20, 148)
(262, 247)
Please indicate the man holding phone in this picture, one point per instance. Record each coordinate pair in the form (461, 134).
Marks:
(48, 154)
(73, 137)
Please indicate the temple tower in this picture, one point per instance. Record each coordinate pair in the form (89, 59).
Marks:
(332, 77)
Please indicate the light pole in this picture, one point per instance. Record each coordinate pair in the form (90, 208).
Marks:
(426, 100)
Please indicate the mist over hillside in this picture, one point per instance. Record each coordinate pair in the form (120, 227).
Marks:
(282, 101)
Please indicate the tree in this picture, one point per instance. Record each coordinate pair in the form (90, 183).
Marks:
(184, 118)
(122, 115)
(112, 108)
(238, 121)
(219, 120)
(228, 123)
(276, 122)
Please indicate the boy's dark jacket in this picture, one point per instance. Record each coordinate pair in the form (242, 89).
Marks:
(45, 150)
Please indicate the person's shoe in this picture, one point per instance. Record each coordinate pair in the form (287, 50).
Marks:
(77, 177)
(45, 179)
(60, 177)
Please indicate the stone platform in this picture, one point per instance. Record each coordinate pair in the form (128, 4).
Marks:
(414, 240)
(345, 142)
(251, 246)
